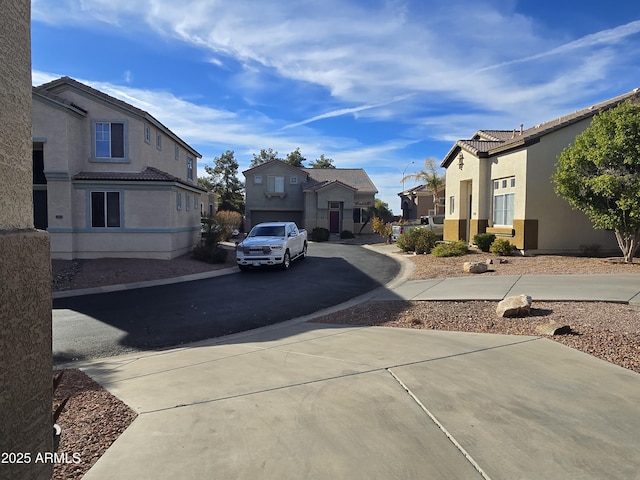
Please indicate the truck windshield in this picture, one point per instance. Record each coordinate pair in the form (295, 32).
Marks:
(268, 231)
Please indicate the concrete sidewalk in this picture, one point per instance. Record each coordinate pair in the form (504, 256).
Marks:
(301, 400)
(318, 401)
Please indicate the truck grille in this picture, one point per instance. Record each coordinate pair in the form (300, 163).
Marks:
(256, 250)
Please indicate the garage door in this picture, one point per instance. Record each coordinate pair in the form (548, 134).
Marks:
(277, 216)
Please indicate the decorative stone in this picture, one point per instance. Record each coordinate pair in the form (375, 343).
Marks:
(516, 306)
(553, 328)
(474, 267)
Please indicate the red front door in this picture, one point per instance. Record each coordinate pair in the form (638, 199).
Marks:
(334, 221)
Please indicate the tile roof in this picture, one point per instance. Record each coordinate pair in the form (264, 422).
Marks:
(353, 177)
(486, 143)
(149, 174)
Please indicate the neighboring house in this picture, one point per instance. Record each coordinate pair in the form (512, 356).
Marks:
(500, 182)
(417, 202)
(109, 179)
(332, 198)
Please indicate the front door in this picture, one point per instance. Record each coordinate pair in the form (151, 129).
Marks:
(334, 221)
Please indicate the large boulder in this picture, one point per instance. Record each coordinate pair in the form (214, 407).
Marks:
(516, 306)
(474, 267)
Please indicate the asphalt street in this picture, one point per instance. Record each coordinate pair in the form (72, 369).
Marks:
(107, 324)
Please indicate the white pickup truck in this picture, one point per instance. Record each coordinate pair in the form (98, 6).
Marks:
(272, 243)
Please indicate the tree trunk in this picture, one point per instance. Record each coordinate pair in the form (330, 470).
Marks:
(628, 244)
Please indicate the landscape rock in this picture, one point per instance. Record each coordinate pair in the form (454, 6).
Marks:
(553, 328)
(516, 306)
(474, 267)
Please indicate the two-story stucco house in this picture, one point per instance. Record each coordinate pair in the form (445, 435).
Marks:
(332, 198)
(500, 182)
(417, 202)
(109, 179)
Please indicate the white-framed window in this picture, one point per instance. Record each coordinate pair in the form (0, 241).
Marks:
(110, 140)
(257, 179)
(147, 134)
(159, 140)
(275, 184)
(176, 150)
(189, 167)
(179, 201)
(452, 204)
(504, 201)
(293, 180)
(105, 209)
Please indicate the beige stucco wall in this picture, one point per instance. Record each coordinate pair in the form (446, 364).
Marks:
(560, 228)
(152, 226)
(25, 276)
(543, 222)
(258, 202)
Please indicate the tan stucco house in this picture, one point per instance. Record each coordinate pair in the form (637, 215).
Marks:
(499, 181)
(109, 180)
(417, 202)
(332, 198)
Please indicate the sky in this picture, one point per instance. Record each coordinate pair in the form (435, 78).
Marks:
(374, 84)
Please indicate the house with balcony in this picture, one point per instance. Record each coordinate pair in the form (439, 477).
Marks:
(333, 198)
(499, 181)
(109, 179)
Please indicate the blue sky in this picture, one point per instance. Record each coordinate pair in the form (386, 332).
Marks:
(369, 83)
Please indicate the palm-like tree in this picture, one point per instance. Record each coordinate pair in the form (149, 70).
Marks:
(430, 178)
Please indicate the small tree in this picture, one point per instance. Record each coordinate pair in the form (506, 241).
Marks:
(223, 179)
(599, 174)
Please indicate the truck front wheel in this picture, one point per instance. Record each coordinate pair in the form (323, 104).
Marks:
(286, 261)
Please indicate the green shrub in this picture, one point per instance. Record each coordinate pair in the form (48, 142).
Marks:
(501, 246)
(210, 253)
(450, 249)
(484, 240)
(346, 234)
(319, 234)
(419, 240)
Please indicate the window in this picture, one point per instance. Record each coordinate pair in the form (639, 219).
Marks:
(105, 209)
(158, 140)
(452, 205)
(293, 180)
(189, 167)
(360, 215)
(195, 202)
(503, 206)
(504, 201)
(257, 179)
(109, 140)
(147, 134)
(177, 151)
(179, 201)
(275, 184)
(187, 202)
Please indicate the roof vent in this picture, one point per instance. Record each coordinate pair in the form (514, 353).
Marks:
(521, 128)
